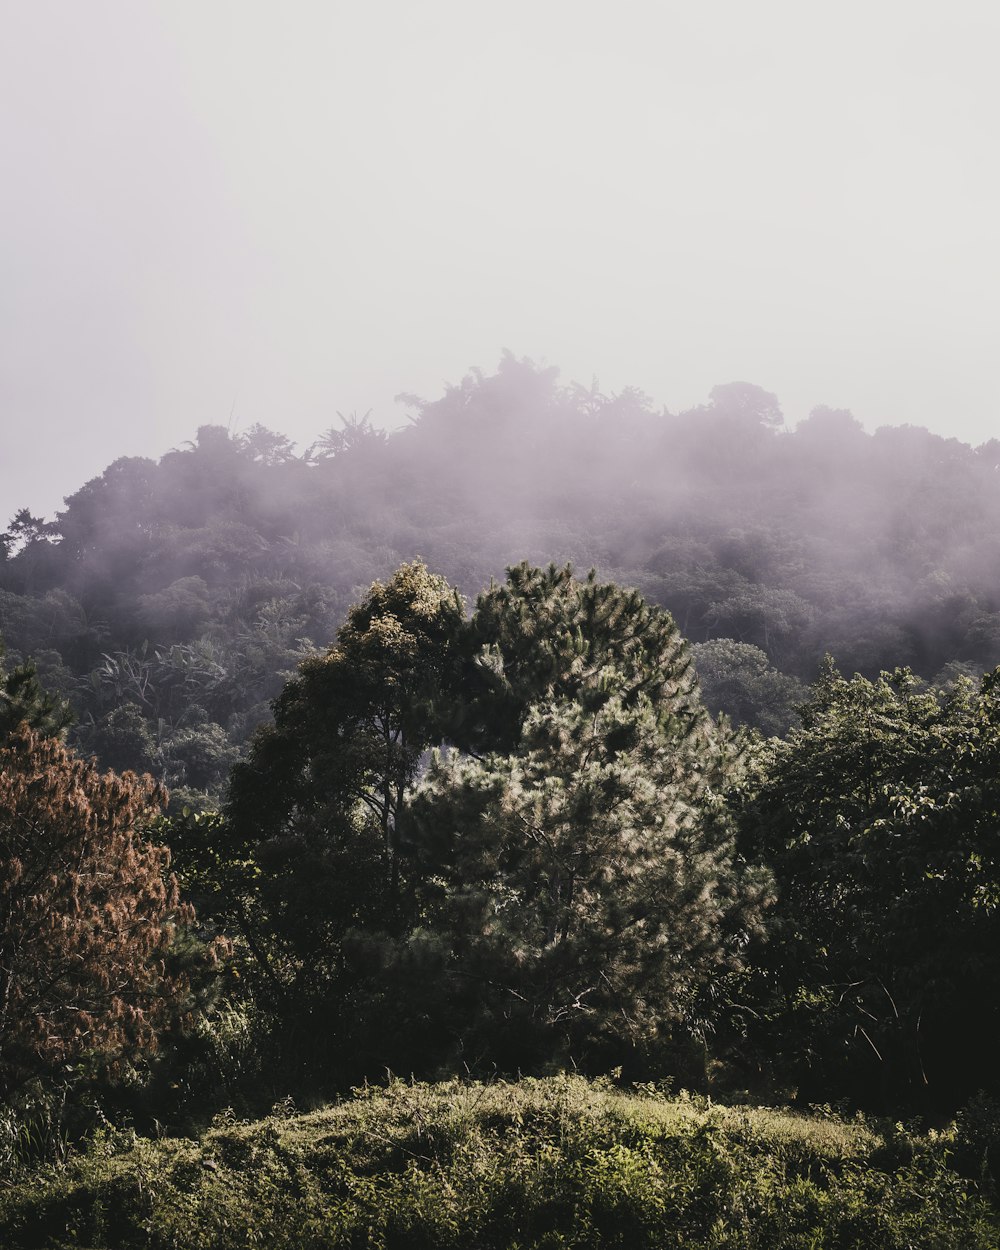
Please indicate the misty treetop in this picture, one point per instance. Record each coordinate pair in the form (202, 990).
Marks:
(188, 588)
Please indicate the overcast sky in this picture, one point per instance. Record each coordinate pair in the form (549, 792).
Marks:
(282, 210)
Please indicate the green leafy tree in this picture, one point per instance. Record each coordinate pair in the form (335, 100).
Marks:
(26, 531)
(121, 739)
(356, 435)
(738, 679)
(220, 879)
(879, 819)
(177, 611)
(762, 616)
(318, 803)
(580, 706)
(199, 757)
(265, 446)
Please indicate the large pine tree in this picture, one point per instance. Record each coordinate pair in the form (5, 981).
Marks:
(562, 884)
(585, 883)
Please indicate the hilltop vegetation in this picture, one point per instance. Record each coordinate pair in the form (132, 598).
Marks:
(541, 1164)
(167, 600)
(407, 832)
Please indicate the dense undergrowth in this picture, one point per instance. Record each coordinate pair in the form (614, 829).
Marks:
(542, 1163)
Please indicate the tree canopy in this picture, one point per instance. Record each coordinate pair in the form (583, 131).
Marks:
(879, 818)
(192, 587)
(242, 603)
(23, 700)
(569, 870)
(89, 915)
(583, 888)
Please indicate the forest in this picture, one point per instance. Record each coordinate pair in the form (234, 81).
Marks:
(557, 822)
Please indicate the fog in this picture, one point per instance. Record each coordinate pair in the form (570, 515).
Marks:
(180, 594)
(242, 212)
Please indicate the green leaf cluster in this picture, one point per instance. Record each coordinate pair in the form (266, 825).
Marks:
(880, 818)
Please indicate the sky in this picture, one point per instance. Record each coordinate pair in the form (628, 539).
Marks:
(240, 211)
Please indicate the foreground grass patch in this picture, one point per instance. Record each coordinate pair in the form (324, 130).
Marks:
(527, 1166)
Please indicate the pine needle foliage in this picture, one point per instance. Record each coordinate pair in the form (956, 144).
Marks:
(560, 885)
(89, 914)
(350, 728)
(546, 634)
(23, 699)
(586, 882)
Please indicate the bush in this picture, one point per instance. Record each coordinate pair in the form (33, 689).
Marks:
(529, 1166)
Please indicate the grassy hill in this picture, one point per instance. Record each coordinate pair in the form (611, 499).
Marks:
(543, 1163)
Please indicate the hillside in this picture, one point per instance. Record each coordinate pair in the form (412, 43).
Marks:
(546, 1163)
(167, 599)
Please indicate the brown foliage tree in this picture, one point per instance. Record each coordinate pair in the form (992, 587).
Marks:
(88, 914)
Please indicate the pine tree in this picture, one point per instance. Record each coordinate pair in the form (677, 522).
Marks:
(545, 634)
(586, 882)
(89, 914)
(22, 700)
(568, 884)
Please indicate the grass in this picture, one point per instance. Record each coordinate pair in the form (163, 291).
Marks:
(535, 1165)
